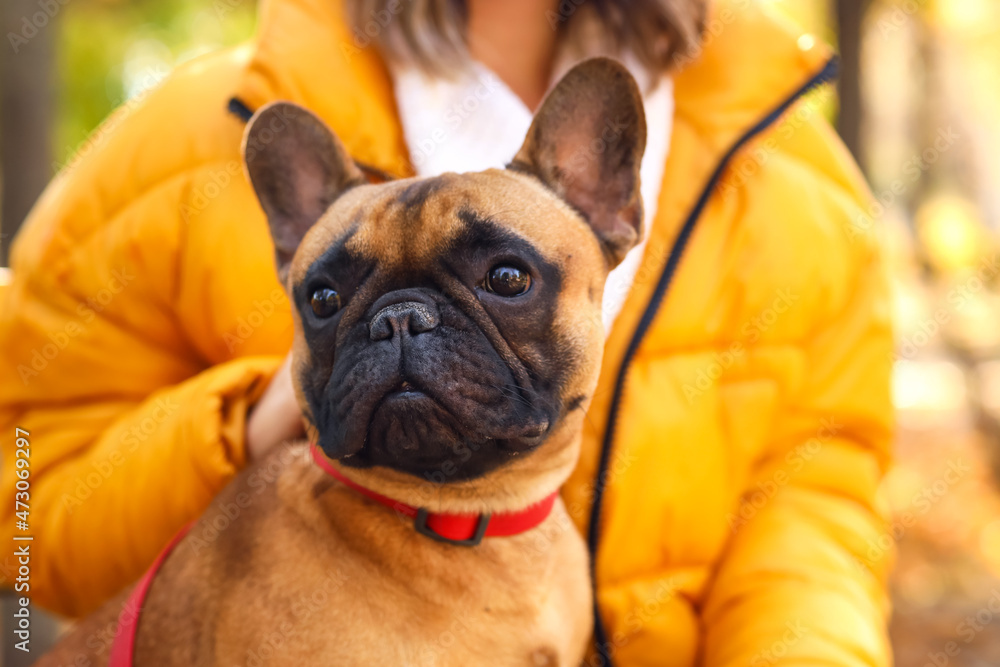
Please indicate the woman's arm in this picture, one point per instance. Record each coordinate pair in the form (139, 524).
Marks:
(143, 321)
(104, 503)
(803, 580)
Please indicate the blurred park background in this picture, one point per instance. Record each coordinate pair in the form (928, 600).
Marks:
(919, 105)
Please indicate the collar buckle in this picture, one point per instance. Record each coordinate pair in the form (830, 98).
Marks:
(420, 524)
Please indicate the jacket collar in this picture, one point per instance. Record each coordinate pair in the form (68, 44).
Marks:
(751, 61)
(306, 52)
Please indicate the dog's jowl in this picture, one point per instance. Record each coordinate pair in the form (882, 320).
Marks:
(447, 340)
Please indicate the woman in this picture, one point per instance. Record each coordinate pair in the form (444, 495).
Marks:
(727, 485)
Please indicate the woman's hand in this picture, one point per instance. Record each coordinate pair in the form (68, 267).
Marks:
(276, 417)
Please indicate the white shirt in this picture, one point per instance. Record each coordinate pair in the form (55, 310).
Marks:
(475, 122)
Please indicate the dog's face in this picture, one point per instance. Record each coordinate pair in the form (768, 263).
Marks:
(447, 326)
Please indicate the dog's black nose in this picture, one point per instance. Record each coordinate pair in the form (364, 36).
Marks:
(406, 318)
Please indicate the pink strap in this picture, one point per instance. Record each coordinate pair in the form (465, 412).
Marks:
(123, 646)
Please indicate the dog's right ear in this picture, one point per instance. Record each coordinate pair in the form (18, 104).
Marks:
(298, 168)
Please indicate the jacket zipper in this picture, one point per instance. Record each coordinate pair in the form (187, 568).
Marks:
(827, 73)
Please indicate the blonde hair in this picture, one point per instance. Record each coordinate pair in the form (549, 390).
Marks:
(431, 33)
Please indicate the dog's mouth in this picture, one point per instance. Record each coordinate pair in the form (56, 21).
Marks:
(417, 430)
(406, 389)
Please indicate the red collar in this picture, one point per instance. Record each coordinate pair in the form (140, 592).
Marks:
(461, 529)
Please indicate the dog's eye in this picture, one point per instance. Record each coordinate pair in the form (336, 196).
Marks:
(325, 302)
(507, 280)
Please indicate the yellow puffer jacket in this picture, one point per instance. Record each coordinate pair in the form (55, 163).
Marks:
(732, 452)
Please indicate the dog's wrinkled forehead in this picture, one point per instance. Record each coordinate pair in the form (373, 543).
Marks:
(410, 223)
(405, 225)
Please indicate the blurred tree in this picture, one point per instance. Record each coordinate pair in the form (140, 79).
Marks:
(26, 109)
(850, 16)
(67, 65)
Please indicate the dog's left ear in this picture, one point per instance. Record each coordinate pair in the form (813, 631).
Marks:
(298, 168)
(586, 144)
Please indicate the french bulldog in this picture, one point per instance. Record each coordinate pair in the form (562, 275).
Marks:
(447, 342)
